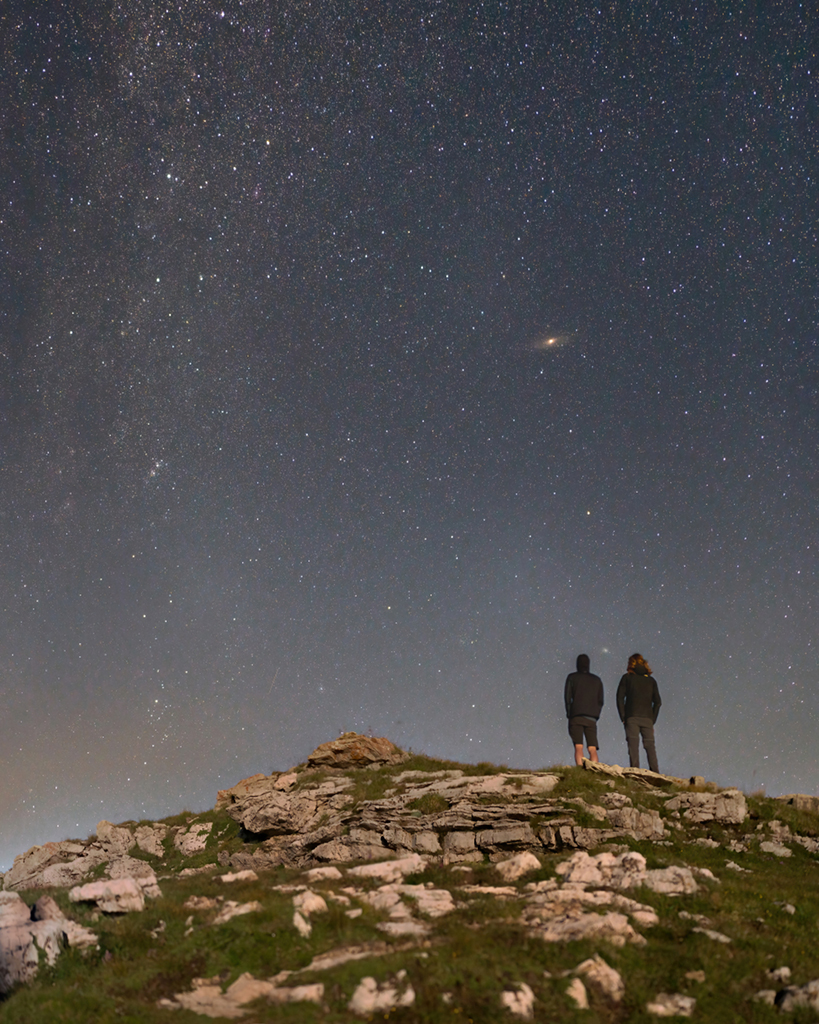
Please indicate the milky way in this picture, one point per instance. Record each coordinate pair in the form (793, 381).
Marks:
(282, 450)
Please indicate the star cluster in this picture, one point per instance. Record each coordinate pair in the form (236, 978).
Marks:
(361, 365)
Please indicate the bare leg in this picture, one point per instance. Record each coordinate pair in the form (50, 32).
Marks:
(593, 754)
(578, 753)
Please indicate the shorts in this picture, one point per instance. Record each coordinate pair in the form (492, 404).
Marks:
(580, 726)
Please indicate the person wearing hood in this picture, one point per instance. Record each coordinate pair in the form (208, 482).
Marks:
(583, 696)
(638, 703)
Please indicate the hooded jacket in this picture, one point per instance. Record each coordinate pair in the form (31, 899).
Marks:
(638, 695)
(583, 694)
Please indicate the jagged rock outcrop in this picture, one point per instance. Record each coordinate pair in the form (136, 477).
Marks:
(727, 807)
(446, 814)
(352, 750)
(26, 933)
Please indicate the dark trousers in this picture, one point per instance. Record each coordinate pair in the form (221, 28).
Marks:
(635, 728)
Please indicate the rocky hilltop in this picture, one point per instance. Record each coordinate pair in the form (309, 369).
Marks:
(360, 875)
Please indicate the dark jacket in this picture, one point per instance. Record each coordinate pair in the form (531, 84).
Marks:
(583, 694)
(638, 696)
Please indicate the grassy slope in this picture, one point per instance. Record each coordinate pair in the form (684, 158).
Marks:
(475, 952)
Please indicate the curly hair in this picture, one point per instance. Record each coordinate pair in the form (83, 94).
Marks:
(638, 659)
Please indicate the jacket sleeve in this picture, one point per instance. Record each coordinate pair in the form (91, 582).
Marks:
(599, 696)
(621, 699)
(655, 700)
(568, 696)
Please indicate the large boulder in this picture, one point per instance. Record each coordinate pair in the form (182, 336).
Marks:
(801, 801)
(352, 750)
(727, 807)
(25, 934)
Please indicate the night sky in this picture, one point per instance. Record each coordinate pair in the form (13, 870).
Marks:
(286, 449)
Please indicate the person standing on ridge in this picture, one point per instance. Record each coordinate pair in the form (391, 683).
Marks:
(638, 703)
(583, 696)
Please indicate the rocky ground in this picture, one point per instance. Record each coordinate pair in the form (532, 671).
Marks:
(366, 882)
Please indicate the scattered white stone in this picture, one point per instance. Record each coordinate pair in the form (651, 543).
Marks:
(329, 873)
(706, 873)
(207, 998)
(735, 867)
(709, 843)
(624, 871)
(780, 974)
(574, 926)
(547, 885)
(370, 997)
(200, 903)
(501, 891)
(676, 1005)
(303, 927)
(777, 849)
(352, 914)
(231, 909)
(118, 896)
(766, 996)
(695, 976)
(248, 875)
(309, 902)
(298, 994)
(577, 992)
(519, 1001)
(390, 870)
(434, 902)
(794, 996)
(603, 978)
(514, 867)
(403, 928)
(711, 934)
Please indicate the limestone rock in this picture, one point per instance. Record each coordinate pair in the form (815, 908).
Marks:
(139, 870)
(624, 871)
(652, 780)
(389, 870)
(676, 1005)
(302, 925)
(794, 996)
(309, 902)
(602, 978)
(118, 896)
(727, 807)
(641, 824)
(24, 936)
(777, 849)
(370, 997)
(231, 909)
(149, 839)
(114, 839)
(515, 867)
(352, 750)
(26, 872)
(324, 874)
(240, 876)
(574, 926)
(712, 935)
(193, 839)
(801, 802)
(577, 993)
(519, 1001)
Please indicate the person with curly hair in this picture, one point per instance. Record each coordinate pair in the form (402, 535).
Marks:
(638, 704)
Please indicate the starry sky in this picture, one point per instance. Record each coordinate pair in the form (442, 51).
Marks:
(362, 364)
